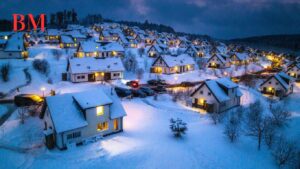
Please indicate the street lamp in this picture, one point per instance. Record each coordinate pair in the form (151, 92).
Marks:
(43, 90)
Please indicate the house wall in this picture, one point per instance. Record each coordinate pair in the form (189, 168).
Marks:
(83, 77)
(208, 98)
(217, 61)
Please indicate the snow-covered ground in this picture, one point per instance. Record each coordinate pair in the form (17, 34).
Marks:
(3, 110)
(146, 141)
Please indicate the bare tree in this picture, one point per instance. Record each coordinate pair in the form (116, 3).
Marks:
(255, 122)
(5, 69)
(21, 114)
(279, 115)
(57, 54)
(141, 51)
(269, 133)
(285, 152)
(139, 73)
(215, 117)
(232, 127)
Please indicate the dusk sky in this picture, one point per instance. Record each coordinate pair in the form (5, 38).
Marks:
(218, 18)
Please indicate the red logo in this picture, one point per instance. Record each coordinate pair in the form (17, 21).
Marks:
(20, 22)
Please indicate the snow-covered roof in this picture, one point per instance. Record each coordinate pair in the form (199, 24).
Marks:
(113, 46)
(66, 110)
(66, 39)
(226, 82)
(242, 56)
(217, 91)
(15, 43)
(89, 65)
(90, 46)
(6, 33)
(64, 113)
(283, 79)
(88, 99)
(76, 34)
(53, 32)
(179, 60)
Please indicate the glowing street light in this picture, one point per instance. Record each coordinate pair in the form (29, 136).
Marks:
(43, 89)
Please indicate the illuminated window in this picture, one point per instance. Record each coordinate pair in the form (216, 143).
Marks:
(100, 110)
(116, 124)
(102, 126)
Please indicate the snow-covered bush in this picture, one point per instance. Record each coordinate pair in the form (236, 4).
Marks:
(130, 62)
(41, 65)
(178, 127)
(5, 69)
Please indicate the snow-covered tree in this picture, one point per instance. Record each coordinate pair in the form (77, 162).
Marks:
(178, 127)
(279, 115)
(232, 127)
(130, 62)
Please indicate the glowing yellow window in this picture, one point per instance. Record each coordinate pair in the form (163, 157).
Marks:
(102, 126)
(100, 110)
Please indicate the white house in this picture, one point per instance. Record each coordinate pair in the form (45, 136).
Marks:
(92, 69)
(154, 51)
(14, 47)
(240, 58)
(279, 85)
(93, 49)
(53, 35)
(76, 118)
(294, 71)
(167, 64)
(67, 41)
(218, 61)
(217, 95)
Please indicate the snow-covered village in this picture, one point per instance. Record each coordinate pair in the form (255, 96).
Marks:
(109, 94)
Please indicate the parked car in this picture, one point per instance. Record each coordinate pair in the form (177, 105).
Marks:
(157, 82)
(122, 92)
(159, 89)
(147, 90)
(138, 93)
(133, 83)
(187, 84)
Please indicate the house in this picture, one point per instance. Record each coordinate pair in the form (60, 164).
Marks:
(53, 35)
(14, 47)
(167, 64)
(77, 118)
(216, 96)
(92, 69)
(278, 85)
(93, 49)
(77, 36)
(218, 61)
(5, 36)
(154, 51)
(294, 71)
(67, 42)
(194, 51)
(240, 58)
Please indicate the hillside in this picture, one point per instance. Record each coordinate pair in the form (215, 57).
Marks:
(279, 43)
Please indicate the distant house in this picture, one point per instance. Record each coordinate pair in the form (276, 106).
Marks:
(194, 51)
(217, 95)
(53, 35)
(14, 47)
(93, 49)
(154, 51)
(240, 58)
(76, 118)
(278, 85)
(218, 61)
(67, 42)
(167, 64)
(91, 69)
(294, 71)
(4, 36)
(77, 36)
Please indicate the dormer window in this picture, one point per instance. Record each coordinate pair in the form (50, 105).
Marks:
(100, 111)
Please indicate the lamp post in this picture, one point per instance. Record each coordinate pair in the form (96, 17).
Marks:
(43, 90)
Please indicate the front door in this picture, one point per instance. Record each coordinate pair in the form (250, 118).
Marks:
(91, 78)
(116, 124)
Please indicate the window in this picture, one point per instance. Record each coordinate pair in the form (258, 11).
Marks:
(201, 92)
(276, 83)
(100, 110)
(116, 74)
(102, 126)
(270, 82)
(116, 124)
(74, 135)
(209, 93)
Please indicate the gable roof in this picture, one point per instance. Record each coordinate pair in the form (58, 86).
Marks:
(65, 113)
(179, 60)
(15, 43)
(66, 39)
(282, 78)
(88, 99)
(90, 65)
